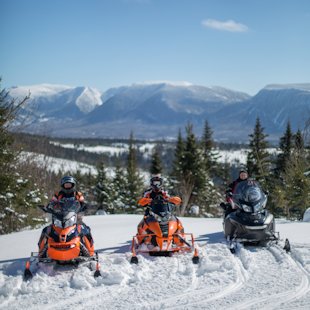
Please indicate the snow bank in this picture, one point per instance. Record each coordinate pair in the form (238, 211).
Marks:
(307, 215)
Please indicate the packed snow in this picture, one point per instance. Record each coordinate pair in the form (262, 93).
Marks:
(254, 278)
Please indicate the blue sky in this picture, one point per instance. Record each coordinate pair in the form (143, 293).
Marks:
(240, 44)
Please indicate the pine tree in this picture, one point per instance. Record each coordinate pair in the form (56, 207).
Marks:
(178, 158)
(297, 184)
(191, 170)
(119, 189)
(210, 156)
(19, 194)
(156, 165)
(299, 143)
(103, 190)
(286, 147)
(258, 161)
(134, 184)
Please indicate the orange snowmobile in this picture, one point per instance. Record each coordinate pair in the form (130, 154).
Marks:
(160, 233)
(65, 243)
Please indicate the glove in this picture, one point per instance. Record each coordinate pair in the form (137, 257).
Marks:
(175, 200)
(144, 201)
(229, 194)
(223, 206)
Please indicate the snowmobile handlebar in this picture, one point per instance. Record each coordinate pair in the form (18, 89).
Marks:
(43, 208)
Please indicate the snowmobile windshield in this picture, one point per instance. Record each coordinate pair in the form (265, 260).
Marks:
(162, 211)
(249, 196)
(65, 212)
(64, 221)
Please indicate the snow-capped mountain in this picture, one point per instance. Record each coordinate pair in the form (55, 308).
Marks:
(275, 105)
(58, 101)
(160, 109)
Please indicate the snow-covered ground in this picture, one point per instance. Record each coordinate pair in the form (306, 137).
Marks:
(236, 157)
(254, 278)
(113, 149)
(59, 164)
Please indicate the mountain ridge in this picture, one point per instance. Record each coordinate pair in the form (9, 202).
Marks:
(159, 110)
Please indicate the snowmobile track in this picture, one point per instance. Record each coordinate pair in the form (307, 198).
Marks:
(276, 300)
(198, 296)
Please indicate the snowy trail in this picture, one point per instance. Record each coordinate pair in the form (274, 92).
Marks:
(254, 278)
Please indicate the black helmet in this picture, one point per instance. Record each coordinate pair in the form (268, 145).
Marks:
(156, 183)
(65, 180)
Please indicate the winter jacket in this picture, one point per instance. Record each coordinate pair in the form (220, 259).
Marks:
(150, 194)
(61, 194)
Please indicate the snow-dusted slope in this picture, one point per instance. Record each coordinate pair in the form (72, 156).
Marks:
(49, 99)
(255, 278)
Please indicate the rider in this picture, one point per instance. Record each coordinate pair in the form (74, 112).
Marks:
(68, 190)
(228, 207)
(155, 190)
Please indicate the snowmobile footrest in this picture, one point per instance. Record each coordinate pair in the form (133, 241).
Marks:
(134, 260)
(97, 274)
(287, 246)
(195, 259)
(27, 273)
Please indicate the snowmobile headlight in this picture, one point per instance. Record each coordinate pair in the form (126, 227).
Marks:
(58, 223)
(246, 208)
(71, 221)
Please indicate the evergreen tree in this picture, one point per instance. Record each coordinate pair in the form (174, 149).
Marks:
(178, 158)
(19, 194)
(286, 147)
(299, 143)
(192, 177)
(258, 161)
(210, 156)
(119, 189)
(297, 184)
(156, 165)
(103, 190)
(134, 186)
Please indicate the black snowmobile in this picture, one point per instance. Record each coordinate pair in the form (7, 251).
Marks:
(250, 223)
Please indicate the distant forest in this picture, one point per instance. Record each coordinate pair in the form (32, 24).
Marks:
(42, 145)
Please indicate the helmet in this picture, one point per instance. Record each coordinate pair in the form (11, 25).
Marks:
(64, 184)
(156, 183)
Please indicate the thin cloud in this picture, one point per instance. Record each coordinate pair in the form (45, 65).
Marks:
(229, 25)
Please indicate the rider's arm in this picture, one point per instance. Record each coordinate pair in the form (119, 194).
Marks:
(144, 201)
(175, 200)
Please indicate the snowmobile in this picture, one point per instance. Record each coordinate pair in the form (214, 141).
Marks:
(251, 222)
(160, 233)
(65, 243)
